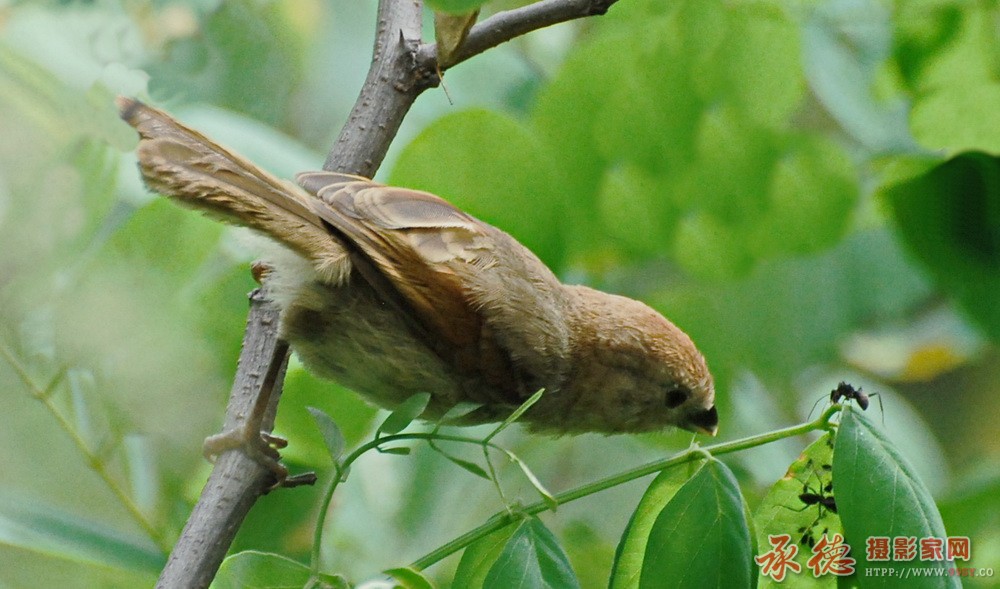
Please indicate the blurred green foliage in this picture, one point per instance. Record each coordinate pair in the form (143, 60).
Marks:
(809, 189)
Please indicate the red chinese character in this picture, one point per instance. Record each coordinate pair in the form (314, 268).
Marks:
(877, 548)
(775, 562)
(904, 547)
(830, 556)
(931, 548)
(958, 548)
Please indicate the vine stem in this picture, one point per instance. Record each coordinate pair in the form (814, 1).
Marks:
(341, 468)
(505, 518)
(93, 459)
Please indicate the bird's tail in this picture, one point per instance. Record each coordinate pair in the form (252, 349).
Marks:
(193, 170)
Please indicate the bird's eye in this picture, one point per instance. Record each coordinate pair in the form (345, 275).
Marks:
(675, 397)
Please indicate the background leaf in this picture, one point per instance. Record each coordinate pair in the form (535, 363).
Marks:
(35, 526)
(492, 166)
(950, 217)
(242, 47)
(353, 415)
(260, 569)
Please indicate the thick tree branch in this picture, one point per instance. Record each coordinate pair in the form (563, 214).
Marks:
(236, 480)
(392, 85)
(504, 26)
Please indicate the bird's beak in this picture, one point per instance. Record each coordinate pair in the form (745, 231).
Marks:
(706, 422)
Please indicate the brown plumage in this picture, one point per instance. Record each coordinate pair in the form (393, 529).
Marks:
(392, 292)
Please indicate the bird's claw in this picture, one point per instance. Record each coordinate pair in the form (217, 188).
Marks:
(262, 448)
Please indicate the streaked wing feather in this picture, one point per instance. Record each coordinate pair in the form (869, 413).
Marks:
(422, 246)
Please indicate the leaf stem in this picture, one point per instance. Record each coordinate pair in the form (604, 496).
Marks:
(505, 518)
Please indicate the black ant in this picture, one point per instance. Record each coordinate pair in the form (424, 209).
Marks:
(824, 502)
(847, 392)
(822, 498)
(809, 498)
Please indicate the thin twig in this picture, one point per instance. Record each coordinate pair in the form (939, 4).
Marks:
(509, 24)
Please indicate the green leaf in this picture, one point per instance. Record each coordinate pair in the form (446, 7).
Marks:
(450, 31)
(632, 546)
(813, 189)
(83, 395)
(165, 237)
(327, 581)
(947, 51)
(410, 578)
(97, 166)
(841, 61)
(28, 523)
(548, 497)
(238, 49)
(950, 218)
(879, 495)
(398, 450)
(633, 210)
(706, 247)
(531, 559)
(458, 411)
(783, 512)
(332, 436)
(701, 538)
(515, 415)
(404, 414)
(652, 112)
(143, 472)
(479, 557)
(961, 116)
(970, 506)
(455, 6)
(260, 570)
(566, 114)
(761, 57)
(465, 464)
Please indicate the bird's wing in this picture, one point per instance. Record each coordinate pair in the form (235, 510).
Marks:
(426, 257)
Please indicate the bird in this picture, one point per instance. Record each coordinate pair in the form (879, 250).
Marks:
(391, 292)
